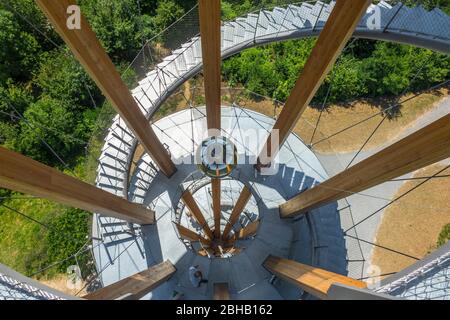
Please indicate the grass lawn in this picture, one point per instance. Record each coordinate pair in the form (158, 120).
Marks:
(22, 241)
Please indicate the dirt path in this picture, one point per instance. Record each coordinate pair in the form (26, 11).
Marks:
(60, 283)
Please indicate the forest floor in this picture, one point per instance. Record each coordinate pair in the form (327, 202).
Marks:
(412, 224)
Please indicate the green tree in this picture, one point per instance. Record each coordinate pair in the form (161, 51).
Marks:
(27, 13)
(14, 100)
(18, 52)
(48, 120)
(117, 24)
(61, 77)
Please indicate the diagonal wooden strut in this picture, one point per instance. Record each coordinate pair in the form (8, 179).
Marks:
(423, 147)
(335, 34)
(137, 285)
(190, 235)
(190, 203)
(217, 210)
(26, 175)
(88, 50)
(209, 12)
(246, 232)
(313, 280)
(242, 201)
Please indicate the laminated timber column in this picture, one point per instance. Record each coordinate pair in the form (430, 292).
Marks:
(423, 147)
(209, 14)
(335, 34)
(242, 201)
(190, 203)
(315, 281)
(137, 285)
(23, 174)
(217, 211)
(88, 50)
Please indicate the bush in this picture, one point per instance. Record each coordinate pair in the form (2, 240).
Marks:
(444, 236)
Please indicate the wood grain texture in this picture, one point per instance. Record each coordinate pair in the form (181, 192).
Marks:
(190, 235)
(209, 12)
(135, 286)
(423, 147)
(190, 203)
(249, 230)
(335, 34)
(88, 50)
(221, 291)
(242, 201)
(217, 210)
(26, 175)
(313, 280)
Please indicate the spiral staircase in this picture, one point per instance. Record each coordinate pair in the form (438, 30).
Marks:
(123, 249)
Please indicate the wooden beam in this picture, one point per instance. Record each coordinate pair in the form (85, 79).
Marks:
(88, 50)
(26, 175)
(221, 291)
(217, 209)
(190, 235)
(313, 280)
(335, 34)
(424, 147)
(248, 231)
(242, 201)
(190, 203)
(209, 13)
(135, 286)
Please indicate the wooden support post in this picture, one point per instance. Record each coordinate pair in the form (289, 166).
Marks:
(190, 235)
(335, 34)
(248, 231)
(242, 201)
(88, 50)
(26, 175)
(190, 203)
(221, 291)
(135, 286)
(424, 147)
(217, 209)
(313, 280)
(209, 12)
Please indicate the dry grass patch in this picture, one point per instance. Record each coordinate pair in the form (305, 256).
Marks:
(412, 224)
(338, 117)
